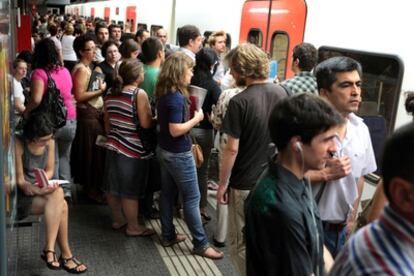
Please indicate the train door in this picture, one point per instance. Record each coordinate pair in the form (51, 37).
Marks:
(276, 27)
(107, 14)
(131, 17)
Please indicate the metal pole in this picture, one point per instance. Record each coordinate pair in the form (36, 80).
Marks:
(268, 24)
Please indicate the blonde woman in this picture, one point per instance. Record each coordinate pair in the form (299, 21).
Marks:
(178, 171)
(69, 56)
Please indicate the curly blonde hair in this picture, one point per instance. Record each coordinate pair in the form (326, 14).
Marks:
(172, 74)
(249, 61)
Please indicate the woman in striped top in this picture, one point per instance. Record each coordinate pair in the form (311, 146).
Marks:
(126, 166)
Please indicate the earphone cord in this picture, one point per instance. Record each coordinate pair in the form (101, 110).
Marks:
(311, 209)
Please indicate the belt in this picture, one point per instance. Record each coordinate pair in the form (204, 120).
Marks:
(334, 227)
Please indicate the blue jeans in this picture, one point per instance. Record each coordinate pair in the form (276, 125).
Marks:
(178, 173)
(205, 138)
(63, 143)
(334, 241)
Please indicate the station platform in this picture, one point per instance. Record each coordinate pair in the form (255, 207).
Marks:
(110, 252)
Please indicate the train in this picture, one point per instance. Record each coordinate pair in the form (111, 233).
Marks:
(377, 39)
(372, 32)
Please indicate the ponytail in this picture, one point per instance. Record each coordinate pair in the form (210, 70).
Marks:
(117, 85)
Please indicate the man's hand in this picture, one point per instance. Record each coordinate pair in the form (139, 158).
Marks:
(338, 167)
(222, 195)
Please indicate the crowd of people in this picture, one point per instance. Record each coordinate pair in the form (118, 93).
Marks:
(292, 155)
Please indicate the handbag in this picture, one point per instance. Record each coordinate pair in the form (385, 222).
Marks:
(53, 104)
(148, 136)
(197, 153)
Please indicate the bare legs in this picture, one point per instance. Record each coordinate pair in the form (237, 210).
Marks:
(126, 209)
(55, 211)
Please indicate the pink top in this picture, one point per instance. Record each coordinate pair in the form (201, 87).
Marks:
(63, 81)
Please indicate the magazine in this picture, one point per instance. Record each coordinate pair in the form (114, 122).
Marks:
(96, 79)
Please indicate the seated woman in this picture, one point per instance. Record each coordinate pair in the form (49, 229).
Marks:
(36, 149)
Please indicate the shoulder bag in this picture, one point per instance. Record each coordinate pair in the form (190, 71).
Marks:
(148, 136)
(52, 104)
(197, 153)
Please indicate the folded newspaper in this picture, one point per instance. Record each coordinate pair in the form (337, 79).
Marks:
(42, 181)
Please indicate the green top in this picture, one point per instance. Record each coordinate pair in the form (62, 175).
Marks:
(150, 80)
(281, 236)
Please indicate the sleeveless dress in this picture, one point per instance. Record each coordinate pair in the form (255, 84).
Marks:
(88, 159)
(30, 162)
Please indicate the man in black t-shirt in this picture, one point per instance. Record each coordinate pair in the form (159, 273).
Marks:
(246, 153)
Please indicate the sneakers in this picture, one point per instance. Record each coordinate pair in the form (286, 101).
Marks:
(178, 238)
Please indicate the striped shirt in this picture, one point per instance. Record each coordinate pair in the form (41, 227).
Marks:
(123, 137)
(384, 247)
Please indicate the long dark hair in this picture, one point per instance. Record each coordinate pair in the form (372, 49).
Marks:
(45, 55)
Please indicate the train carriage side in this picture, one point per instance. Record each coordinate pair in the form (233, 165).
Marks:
(369, 31)
(275, 26)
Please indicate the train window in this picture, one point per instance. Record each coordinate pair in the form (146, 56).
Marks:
(141, 26)
(121, 23)
(154, 29)
(381, 87)
(255, 36)
(279, 50)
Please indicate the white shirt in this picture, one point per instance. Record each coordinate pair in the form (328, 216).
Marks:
(220, 71)
(98, 56)
(188, 53)
(18, 91)
(57, 42)
(67, 48)
(336, 202)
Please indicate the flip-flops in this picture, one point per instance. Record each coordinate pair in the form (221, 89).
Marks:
(178, 238)
(203, 253)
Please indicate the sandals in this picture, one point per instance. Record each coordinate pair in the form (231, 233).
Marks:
(73, 270)
(49, 264)
(203, 253)
(178, 238)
